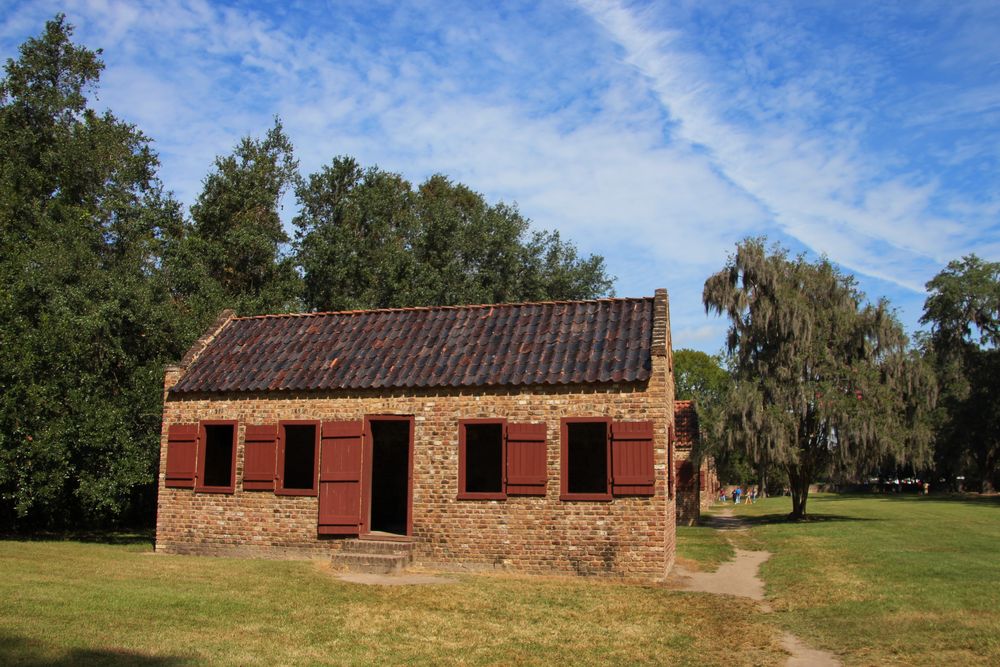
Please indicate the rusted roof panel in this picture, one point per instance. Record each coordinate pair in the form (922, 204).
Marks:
(562, 342)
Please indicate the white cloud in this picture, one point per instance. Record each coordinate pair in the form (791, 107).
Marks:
(637, 147)
(816, 182)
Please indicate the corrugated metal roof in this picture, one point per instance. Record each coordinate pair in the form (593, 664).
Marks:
(561, 342)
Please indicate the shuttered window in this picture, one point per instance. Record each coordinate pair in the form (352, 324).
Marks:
(216, 472)
(182, 455)
(633, 472)
(497, 459)
(481, 455)
(585, 460)
(601, 459)
(298, 458)
(260, 453)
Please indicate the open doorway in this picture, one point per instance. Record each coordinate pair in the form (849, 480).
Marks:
(390, 475)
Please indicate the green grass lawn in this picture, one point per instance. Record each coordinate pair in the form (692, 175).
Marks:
(65, 602)
(876, 580)
(701, 548)
(885, 579)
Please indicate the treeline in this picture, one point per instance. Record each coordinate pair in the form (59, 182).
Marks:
(817, 383)
(106, 279)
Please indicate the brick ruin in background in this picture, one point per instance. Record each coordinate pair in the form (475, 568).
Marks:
(530, 437)
(697, 486)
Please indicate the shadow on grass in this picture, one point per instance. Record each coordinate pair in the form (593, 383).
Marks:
(31, 653)
(117, 537)
(991, 500)
(988, 500)
(749, 520)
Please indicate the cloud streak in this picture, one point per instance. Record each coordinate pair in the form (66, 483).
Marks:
(655, 135)
(816, 181)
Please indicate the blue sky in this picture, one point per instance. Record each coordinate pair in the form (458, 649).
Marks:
(657, 135)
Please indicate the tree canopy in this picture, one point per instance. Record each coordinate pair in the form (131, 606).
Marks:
(237, 244)
(699, 376)
(106, 280)
(86, 319)
(367, 239)
(822, 380)
(963, 310)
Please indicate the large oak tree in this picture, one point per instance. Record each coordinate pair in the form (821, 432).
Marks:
(823, 380)
(86, 315)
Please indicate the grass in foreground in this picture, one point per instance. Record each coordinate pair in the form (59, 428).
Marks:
(71, 602)
(702, 548)
(885, 579)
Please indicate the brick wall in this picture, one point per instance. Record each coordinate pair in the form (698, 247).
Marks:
(628, 536)
(688, 478)
(709, 482)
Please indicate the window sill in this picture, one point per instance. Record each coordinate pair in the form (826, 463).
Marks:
(482, 496)
(592, 497)
(250, 485)
(295, 492)
(215, 489)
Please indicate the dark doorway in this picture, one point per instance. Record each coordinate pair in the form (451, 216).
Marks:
(390, 492)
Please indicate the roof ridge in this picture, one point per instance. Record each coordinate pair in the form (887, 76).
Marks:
(509, 304)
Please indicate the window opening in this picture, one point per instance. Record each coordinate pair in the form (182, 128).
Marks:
(218, 466)
(587, 453)
(300, 457)
(483, 458)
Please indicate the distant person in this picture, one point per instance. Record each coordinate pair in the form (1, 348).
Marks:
(927, 488)
(739, 494)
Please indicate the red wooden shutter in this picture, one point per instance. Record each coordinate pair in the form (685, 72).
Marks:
(527, 460)
(340, 478)
(182, 454)
(259, 455)
(632, 472)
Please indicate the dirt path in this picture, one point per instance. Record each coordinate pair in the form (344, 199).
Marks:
(741, 577)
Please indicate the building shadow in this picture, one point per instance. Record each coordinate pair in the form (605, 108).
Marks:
(30, 653)
(116, 537)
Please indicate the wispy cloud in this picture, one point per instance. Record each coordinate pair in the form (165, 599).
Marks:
(655, 135)
(816, 180)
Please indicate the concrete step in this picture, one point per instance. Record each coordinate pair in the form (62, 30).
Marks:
(374, 563)
(376, 547)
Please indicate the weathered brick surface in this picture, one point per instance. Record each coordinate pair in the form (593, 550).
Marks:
(631, 537)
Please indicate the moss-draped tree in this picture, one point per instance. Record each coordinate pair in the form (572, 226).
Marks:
(823, 380)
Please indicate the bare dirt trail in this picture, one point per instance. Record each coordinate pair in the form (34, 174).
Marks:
(741, 577)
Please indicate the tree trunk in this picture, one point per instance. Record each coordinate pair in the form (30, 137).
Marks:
(762, 478)
(798, 481)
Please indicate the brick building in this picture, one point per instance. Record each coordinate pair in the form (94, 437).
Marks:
(697, 485)
(533, 437)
